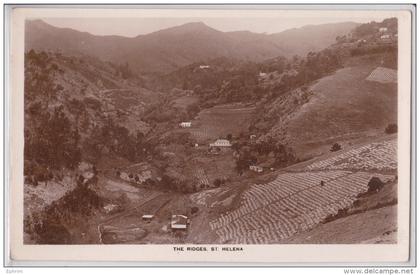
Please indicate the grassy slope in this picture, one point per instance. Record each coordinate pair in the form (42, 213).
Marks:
(343, 106)
(373, 226)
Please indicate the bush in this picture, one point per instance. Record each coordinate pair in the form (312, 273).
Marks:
(375, 184)
(218, 182)
(194, 210)
(335, 147)
(391, 128)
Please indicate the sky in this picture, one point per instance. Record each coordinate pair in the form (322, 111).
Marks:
(131, 27)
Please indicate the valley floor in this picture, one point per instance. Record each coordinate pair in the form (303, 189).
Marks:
(277, 207)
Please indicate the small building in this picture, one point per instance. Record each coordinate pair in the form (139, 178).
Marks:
(179, 222)
(147, 217)
(252, 136)
(385, 36)
(204, 66)
(185, 124)
(383, 29)
(221, 143)
(261, 74)
(256, 168)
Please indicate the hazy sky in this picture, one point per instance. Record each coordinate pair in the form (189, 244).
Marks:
(135, 26)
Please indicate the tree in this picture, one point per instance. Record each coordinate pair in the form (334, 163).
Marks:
(375, 184)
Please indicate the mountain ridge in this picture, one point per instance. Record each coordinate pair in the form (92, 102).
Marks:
(168, 49)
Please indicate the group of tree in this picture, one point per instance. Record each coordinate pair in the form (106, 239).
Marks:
(252, 153)
(372, 28)
(53, 142)
(118, 140)
(53, 226)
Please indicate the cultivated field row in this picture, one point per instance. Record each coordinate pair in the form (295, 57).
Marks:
(374, 156)
(292, 203)
(201, 177)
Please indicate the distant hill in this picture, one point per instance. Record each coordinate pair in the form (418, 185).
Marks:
(169, 49)
(302, 40)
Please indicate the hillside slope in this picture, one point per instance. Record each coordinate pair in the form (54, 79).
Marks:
(340, 106)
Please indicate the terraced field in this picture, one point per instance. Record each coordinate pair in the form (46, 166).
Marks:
(293, 203)
(296, 201)
(219, 121)
(373, 156)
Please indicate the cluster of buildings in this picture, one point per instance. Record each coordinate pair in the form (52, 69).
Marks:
(387, 36)
(185, 124)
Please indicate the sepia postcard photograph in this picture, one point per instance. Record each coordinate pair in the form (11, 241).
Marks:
(210, 132)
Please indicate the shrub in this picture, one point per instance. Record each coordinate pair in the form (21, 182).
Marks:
(218, 182)
(335, 147)
(391, 128)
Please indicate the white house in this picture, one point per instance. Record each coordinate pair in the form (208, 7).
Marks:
(179, 222)
(185, 124)
(221, 143)
(147, 217)
(385, 36)
(383, 29)
(204, 66)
